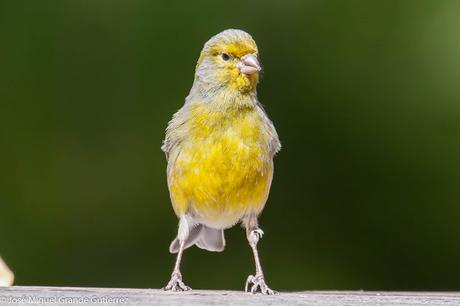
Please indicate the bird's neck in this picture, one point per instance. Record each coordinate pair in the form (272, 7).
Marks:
(224, 97)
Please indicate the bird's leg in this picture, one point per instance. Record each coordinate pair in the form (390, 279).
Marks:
(176, 283)
(258, 282)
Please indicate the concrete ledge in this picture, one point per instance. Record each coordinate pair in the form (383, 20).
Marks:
(18, 295)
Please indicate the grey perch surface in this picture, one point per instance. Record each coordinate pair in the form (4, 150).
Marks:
(106, 296)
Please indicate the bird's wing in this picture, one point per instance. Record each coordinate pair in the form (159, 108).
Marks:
(175, 131)
(274, 142)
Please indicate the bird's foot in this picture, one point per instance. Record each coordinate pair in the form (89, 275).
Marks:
(255, 235)
(176, 283)
(258, 283)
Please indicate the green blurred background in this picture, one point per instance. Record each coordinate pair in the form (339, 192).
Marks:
(365, 97)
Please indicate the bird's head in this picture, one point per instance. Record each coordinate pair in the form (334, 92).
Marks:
(229, 60)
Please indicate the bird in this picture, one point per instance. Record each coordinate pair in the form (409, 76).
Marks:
(219, 148)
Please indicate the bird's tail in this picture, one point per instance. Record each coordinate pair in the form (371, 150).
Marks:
(203, 237)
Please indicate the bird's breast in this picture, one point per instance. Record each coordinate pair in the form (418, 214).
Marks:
(224, 168)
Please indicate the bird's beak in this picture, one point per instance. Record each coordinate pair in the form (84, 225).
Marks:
(249, 64)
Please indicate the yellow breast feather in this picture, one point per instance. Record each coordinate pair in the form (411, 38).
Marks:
(223, 166)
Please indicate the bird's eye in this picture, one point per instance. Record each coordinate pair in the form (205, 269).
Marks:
(225, 56)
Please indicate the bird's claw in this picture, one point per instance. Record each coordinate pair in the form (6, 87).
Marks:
(258, 232)
(258, 283)
(255, 235)
(176, 283)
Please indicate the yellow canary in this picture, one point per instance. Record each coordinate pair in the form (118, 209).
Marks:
(220, 147)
